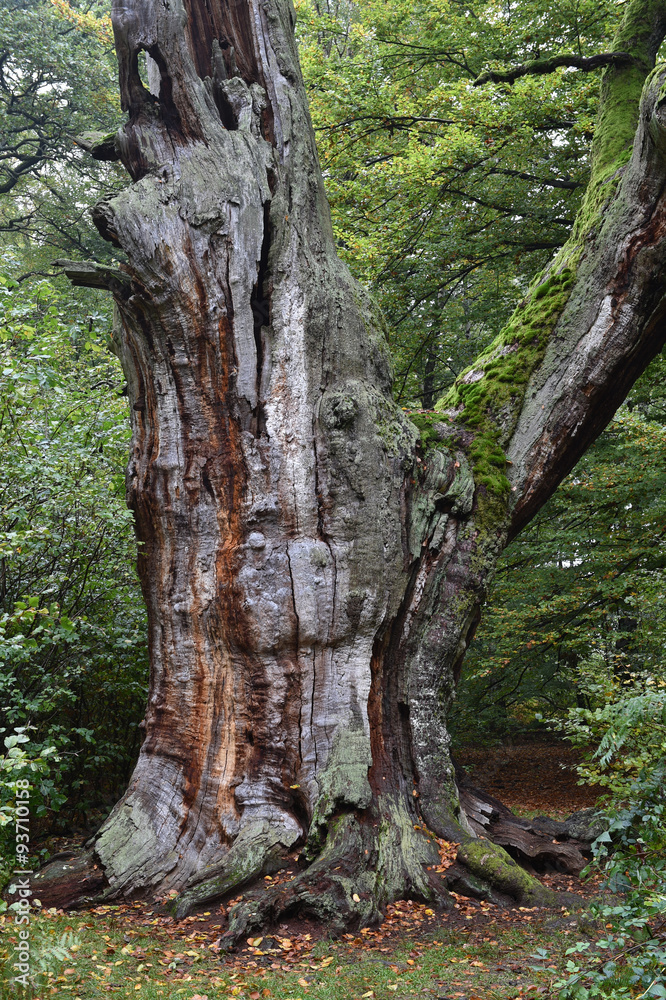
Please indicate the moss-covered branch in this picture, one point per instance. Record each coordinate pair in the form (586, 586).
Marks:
(640, 34)
(486, 399)
(541, 67)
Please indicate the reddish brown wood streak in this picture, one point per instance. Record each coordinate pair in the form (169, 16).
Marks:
(361, 669)
(231, 24)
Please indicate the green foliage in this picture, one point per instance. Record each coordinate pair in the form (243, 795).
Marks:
(57, 80)
(73, 658)
(631, 856)
(576, 608)
(626, 750)
(449, 198)
(628, 730)
(21, 761)
(48, 954)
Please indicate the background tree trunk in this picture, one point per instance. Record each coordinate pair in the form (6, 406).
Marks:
(313, 566)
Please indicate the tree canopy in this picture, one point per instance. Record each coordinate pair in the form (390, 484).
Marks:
(57, 82)
(449, 193)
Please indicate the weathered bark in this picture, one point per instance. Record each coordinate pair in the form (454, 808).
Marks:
(314, 571)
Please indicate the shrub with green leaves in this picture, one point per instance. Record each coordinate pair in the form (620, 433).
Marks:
(628, 731)
(628, 735)
(630, 958)
(21, 761)
(73, 658)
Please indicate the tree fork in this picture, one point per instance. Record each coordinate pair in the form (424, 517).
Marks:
(313, 564)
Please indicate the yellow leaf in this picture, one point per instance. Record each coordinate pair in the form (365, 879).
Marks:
(356, 898)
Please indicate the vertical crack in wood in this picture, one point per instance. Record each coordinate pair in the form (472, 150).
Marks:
(260, 303)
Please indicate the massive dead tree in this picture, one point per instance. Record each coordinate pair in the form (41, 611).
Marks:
(314, 564)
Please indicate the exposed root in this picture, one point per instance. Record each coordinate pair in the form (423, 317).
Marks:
(369, 858)
(460, 880)
(487, 831)
(71, 880)
(258, 850)
(361, 869)
(540, 842)
(493, 866)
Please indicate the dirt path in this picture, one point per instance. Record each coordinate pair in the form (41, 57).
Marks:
(530, 776)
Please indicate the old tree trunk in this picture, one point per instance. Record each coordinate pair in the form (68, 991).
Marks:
(314, 564)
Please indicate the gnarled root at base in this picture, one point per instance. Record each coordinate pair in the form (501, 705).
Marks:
(487, 831)
(368, 859)
(361, 869)
(490, 864)
(366, 862)
(363, 866)
(538, 843)
(258, 850)
(70, 880)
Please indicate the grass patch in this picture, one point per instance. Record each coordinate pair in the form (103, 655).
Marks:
(130, 951)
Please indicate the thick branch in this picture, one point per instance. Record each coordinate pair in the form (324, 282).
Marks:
(89, 274)
(641, 33)
(100, 145)
(540, 67)
(613, 324)
(14, 174)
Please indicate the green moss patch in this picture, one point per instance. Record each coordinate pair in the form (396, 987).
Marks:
(487, 397)
(491, 863)
(429, 425)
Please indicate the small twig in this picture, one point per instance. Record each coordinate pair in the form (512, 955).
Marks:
(38, 274)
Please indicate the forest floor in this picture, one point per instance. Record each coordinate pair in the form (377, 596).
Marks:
(476, 951)
(531, 775)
